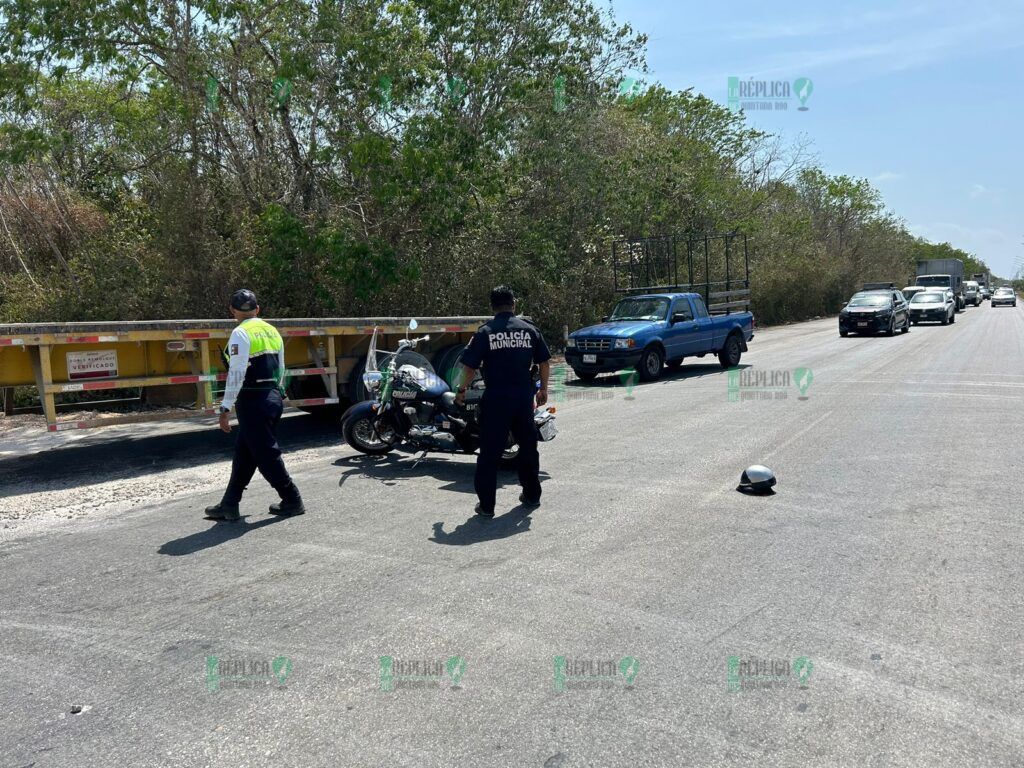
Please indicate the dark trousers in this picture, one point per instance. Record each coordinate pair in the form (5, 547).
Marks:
(501, 413)
(256, 446)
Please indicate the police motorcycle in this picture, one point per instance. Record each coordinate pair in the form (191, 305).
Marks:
(411, 404)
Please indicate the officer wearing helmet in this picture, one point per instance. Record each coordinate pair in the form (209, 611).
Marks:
(506, 349)
(255, 358)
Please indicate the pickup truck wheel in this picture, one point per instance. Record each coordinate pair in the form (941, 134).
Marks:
(844, 334)
(729, 357)
(651, 364)
(584, 375)
(952, 319)
(891, 330)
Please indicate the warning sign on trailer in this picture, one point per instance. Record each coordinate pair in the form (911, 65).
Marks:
(95, 364)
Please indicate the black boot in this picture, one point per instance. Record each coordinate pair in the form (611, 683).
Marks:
(223, 511)
(290, 504)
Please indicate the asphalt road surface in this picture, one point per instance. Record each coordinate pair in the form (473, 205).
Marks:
(868, 614)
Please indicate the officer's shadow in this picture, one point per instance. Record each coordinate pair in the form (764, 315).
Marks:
(455, 476)
(218, 533)
(391, 468)
(478, 529)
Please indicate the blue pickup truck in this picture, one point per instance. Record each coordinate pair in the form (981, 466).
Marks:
(647, 332)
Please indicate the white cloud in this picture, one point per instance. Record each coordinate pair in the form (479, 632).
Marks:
(887, 48)
(886, 176)
(827, 25)
(976, 191)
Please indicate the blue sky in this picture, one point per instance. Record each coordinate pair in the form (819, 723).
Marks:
(925, 99)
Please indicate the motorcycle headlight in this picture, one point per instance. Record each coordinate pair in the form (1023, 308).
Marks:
(624, 343)
(371, 380)
(571, 343)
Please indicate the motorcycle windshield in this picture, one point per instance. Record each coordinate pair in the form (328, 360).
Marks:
(371, 355)
(415, 359)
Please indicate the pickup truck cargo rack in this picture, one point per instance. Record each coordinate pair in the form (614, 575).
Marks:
(707, 264)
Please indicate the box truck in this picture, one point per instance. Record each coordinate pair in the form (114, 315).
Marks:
(943, 273)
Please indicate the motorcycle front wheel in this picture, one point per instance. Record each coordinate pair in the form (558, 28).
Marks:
(510, 456)
(363, 435)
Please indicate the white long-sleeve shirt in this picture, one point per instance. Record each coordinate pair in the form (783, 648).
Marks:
(238, 363)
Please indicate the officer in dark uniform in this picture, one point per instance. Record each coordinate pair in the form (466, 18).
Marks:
(507, 347)
(255, 357)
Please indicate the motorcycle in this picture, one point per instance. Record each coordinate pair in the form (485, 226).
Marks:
(412, 404)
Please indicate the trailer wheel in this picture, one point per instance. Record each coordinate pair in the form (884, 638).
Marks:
(354, 387)
(445, 361)
(730, 355)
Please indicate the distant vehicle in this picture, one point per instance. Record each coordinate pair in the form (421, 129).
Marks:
(943, 273)
(986, 294)
(910, 290)
(938, 306)
(879, 287)
(1004, 295)
(875, 312)
(646, 332)
(984, 279)
(972, 293)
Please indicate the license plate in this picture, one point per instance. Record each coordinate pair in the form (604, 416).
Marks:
(862, 325)
(590, 358)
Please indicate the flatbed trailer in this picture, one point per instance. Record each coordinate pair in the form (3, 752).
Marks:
(323, 356)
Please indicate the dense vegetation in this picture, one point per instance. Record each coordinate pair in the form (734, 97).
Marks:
(372, 157)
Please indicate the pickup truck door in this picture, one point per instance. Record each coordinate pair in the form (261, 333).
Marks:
(682, 337)
(707, 340)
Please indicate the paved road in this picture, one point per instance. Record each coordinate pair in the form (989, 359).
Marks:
(880, 588)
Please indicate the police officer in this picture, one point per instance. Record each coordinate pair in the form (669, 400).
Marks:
(507, 347)
(255, 357)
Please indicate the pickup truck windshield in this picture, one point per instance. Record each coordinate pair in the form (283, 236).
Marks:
(869, 301)
(928, 298)
(640, 309)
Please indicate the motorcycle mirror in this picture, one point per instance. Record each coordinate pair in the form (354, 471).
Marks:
(427, 337)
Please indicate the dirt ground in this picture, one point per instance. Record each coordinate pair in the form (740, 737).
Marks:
(47, 478)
